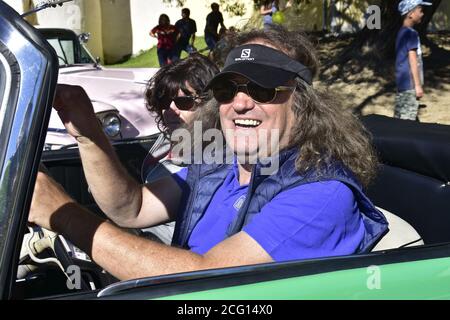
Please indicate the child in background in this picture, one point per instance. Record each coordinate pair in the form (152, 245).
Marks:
(408, 64)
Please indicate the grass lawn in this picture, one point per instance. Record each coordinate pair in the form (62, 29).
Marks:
(149, 59)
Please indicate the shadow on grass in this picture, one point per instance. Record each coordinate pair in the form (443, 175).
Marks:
(390, 87)
(350, 66)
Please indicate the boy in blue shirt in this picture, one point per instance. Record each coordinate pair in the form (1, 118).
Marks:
(408, 63)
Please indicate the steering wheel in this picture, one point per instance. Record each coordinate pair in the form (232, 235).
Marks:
(39, 240)
(36, 242)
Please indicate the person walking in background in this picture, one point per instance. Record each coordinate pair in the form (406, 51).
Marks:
(223, 46)
(408, 63)
(187, 29)
(267, 9)
(166, 35)
(213, 19)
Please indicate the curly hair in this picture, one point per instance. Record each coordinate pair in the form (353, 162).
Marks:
(323, 131)
(195, 71)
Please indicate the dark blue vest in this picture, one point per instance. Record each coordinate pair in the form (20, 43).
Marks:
(204, 180)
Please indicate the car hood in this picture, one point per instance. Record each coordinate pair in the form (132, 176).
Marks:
(122, 89)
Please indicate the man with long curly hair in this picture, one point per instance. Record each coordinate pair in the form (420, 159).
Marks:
(231, 214)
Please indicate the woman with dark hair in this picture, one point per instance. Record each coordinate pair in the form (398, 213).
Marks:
(173, 95)
(166, 35)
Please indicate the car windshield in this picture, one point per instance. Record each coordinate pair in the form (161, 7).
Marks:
(66, 51)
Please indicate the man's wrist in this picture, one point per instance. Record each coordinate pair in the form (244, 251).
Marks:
(60, 220)
(96, 137)
(75, 218)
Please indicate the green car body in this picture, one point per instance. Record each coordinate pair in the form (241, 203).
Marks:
(426, 279)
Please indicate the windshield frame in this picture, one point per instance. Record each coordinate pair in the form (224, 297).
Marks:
(5, 86)
(34, 75)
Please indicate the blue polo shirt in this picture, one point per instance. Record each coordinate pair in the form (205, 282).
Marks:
(313, 220)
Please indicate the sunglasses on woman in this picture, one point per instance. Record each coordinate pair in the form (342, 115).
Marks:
(184, 103)
(225, 91)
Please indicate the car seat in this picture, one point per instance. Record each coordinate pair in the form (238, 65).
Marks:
(400, 234)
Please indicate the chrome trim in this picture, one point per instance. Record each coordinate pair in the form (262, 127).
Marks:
(123, 286)
(7, 91)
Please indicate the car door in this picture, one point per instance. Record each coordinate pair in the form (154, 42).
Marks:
(28, 75)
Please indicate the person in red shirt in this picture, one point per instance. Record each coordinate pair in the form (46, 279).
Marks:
(166, 34)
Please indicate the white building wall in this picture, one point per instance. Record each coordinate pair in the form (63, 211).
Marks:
(67, 16)
(15, 4)
(144, 16)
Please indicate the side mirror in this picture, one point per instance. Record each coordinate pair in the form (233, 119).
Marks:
(84, 37)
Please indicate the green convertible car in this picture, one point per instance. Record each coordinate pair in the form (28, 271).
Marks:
(413, 183)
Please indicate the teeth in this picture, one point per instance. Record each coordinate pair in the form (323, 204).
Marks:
(247, 122)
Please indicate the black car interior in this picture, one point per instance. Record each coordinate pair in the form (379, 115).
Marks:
(65, 167)
(414, 178)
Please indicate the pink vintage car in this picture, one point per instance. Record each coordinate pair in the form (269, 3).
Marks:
(117, 94)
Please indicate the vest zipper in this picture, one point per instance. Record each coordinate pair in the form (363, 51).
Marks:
(185, 232)
(242, 213)
(187, 222)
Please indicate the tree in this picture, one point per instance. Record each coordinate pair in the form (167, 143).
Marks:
(233, 7)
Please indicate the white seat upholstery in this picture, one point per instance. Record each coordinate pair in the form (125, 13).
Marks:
(400, 233)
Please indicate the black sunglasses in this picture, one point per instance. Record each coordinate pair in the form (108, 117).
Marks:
(226, 90)
(183, 103)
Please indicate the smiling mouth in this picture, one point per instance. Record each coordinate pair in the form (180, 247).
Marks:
(246, 123)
